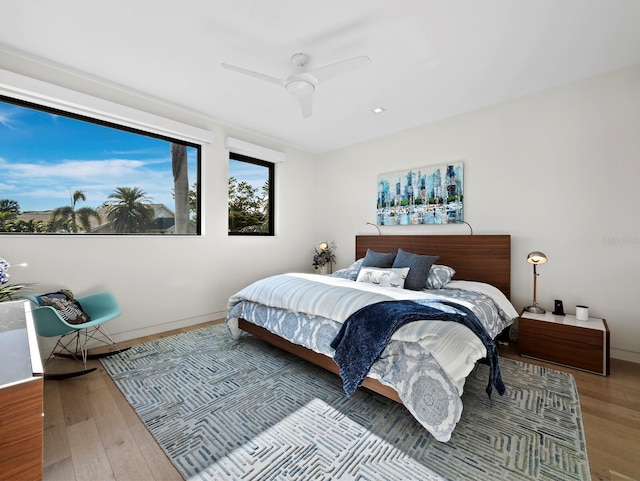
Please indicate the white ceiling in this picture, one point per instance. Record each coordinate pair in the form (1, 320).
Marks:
(430, 59)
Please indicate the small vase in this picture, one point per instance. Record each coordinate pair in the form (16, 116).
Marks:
(323, 270)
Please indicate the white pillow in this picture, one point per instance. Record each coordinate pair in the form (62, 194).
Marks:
(384, 276)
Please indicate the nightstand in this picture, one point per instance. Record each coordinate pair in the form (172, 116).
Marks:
(565, 340)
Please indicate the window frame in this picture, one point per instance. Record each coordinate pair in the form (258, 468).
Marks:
(271, 209)
(126, 128)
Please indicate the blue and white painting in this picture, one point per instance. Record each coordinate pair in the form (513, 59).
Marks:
(426, 195)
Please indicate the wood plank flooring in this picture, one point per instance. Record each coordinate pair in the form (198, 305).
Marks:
(93, 434)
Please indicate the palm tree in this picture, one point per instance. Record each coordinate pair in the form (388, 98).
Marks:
(84, 215)
(129, 211)
(181, 187)
(67, 217)
(19, 225)
(6, 217)
(32, 225)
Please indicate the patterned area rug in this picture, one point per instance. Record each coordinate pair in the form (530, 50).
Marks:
(243, 410)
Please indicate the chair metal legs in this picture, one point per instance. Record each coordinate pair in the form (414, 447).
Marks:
(74, 345)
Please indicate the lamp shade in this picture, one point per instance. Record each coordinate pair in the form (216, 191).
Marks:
(536, 257)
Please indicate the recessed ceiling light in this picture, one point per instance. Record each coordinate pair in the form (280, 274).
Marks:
(377, 110)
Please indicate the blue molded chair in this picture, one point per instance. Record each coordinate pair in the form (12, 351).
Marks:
(74, 338)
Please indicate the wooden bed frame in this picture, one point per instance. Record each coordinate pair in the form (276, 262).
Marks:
(483, 258)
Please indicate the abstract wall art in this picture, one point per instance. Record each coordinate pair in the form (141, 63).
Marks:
(425, 195)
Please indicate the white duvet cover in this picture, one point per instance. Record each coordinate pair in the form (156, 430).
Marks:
(426, 362)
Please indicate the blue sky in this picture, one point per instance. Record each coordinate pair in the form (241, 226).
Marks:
(255, 175)
(44, 158)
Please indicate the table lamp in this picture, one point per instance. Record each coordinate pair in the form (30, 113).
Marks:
(535, 258)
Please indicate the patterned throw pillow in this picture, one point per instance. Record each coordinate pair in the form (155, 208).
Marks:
(383, 277)
(67, 306)
(350, 272)
(439, 276)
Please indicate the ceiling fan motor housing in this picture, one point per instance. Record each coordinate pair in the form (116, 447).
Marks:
(300, 59)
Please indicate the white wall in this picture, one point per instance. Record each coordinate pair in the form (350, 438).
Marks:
(169, 282)
(556, 170)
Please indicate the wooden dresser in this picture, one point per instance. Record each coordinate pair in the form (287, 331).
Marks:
(21, 394)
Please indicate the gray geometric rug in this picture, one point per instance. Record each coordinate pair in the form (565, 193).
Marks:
(243, 410)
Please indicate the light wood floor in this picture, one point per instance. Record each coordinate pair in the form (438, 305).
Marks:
(93, 434)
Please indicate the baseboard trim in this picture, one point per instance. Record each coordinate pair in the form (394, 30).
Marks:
(623, 355)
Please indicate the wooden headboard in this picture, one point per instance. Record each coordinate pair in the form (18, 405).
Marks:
(483, 258)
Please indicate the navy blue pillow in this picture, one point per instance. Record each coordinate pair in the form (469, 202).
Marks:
(378, 259)
(419, 268)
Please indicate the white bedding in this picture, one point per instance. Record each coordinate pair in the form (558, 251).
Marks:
(426, 362)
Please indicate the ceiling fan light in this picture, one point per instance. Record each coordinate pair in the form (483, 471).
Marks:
(300, 87)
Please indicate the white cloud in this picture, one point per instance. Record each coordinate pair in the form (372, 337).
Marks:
(76, 169)
(6, 119)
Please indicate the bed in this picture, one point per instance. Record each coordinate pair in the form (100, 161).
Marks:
(425, 363)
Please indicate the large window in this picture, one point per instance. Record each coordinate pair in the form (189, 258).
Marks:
(250, 196)
(64, 173)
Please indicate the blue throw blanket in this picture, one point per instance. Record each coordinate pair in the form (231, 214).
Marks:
(366, 333)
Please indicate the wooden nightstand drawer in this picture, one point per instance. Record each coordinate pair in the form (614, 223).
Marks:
(564, 340)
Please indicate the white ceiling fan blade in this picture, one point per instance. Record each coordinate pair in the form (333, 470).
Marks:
(306, 104)
(251, 73)
(302, 84)
(339, 68)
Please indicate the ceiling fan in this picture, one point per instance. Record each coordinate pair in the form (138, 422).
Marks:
(303, 83)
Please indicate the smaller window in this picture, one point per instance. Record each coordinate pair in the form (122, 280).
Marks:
(250, 196)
